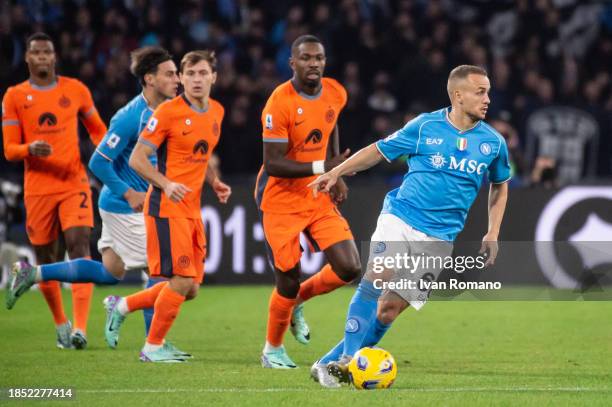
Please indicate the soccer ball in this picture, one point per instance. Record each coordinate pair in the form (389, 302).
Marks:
(372, 368)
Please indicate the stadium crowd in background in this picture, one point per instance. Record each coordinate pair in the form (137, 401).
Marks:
(549, 63)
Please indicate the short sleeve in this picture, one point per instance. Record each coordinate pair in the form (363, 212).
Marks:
(499, 170)
(275, 120)
(9, 110)
(156, 130)
(403, 141)
(121, 131)
(87, 107)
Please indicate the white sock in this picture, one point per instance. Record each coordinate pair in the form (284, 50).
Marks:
(149, 347)
(122, 306)
(38, 275)
(269, 348)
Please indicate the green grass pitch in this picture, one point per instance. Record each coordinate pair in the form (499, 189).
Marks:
(460, 353)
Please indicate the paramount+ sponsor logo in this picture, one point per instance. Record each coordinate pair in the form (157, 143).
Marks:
(200, 149)
(313, 139)
(47, 119)
(48, 124)
(201, 146)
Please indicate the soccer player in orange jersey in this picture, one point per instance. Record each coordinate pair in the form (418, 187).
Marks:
(40, 127)
(298, 121)
(183, 132)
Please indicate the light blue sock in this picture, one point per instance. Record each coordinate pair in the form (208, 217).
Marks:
(374, 335)
(147, 313)
(77, 271)
(333, 354)
(376, 332)
(361, 313)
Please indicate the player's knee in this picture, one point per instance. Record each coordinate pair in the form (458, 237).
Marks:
(79, 250)
(287, 285)
(388, 311)
(349, 270)
(193, 292)
(181, 285)
(113, 263)
(77, 247)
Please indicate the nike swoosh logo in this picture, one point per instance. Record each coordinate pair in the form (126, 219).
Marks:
(298, 123)
(187, 132)
(27, 106)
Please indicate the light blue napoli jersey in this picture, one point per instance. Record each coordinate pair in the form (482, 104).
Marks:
(446, 169)
(117, 146)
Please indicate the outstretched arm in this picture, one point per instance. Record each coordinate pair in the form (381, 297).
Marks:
(365, 158)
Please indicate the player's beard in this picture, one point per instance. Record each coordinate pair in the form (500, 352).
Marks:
(312, 83)
(42, 73)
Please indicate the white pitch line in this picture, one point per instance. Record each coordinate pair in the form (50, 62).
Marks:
(305, 390)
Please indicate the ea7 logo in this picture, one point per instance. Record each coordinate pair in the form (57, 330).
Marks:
(433, 141)
(465, 165)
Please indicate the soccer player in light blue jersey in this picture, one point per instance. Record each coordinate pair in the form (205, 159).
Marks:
(450, 152)
(123, 240)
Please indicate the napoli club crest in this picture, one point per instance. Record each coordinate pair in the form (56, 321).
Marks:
(485, 148)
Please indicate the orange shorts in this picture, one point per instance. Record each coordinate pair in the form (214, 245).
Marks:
(322, 228)
(175, 247)
(47, 214)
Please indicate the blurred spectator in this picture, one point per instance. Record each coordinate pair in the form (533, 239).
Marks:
(544, 173)
(392, 56)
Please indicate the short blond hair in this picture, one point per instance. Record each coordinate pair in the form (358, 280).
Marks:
(193, 57)
(462, 72)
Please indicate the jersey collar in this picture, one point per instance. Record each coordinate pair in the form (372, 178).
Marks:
(142, 95)
(447, 111)
(50, 86)
(306, 95)
(194, 108)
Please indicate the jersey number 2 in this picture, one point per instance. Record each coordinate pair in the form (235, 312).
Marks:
(84, 201)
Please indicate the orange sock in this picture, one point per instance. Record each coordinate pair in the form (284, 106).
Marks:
(322, 282)
(52, 292)
(81, 302)
(167, 307)
(145, 298)
(279, 316)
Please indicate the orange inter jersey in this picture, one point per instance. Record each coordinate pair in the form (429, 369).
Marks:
(51, 113)
(305, 123)
(184, 139)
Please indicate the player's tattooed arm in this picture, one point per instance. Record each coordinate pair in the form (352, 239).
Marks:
(498, 195)
(139, 161)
